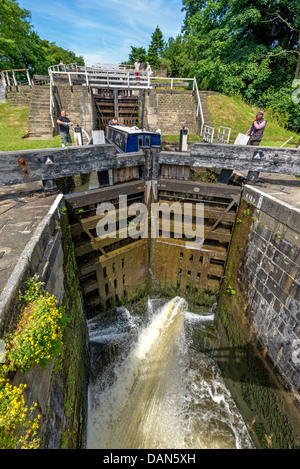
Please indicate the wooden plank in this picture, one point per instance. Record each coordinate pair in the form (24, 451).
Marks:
(236, 157)
(98, 243)
(51, 163)
(218, 234)
(217, 252)
(198, 188)
(210, 213)
(105, 194)
(90, 223)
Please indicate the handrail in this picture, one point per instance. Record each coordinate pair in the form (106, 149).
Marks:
(62, 67)
(199, 106)
(116, 76)
(52, 105)
(6, 81)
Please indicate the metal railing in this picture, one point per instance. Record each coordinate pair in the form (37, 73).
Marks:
(208, 134)
(9, 77)
(102, 78)
(62, 67)
(223, 134)
(199, 105)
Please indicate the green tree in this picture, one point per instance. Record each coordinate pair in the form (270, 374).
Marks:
(18, 41)
(176, 57)
(251, 48)
(20, 45)
(137, 53)
(156, 48)
(54, 54)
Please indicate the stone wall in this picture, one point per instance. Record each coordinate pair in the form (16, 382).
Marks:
(271, 278)
(258, 319)
(78, 102)
(20, 97)
(169, 112)
(60, 390)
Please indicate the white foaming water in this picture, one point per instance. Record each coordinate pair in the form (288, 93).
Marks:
(158, 394)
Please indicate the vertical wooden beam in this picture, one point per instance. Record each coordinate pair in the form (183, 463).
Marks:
(116, 104)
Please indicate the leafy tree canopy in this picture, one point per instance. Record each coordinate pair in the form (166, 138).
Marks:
(137, 53)
(20, 45)
(239, 46)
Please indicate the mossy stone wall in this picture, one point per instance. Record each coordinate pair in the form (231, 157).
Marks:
(264, 398)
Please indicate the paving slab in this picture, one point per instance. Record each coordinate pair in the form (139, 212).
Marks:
(21, 211)
(285, 188)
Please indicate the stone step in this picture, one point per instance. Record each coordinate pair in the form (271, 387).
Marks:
(42, 136)
(38, 114)
(38, 104)
(43, 96)
(41, 122)
(41, 129)
(40, 96)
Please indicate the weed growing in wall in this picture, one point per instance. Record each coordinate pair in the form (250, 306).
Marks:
(37, 339)
(18, 427)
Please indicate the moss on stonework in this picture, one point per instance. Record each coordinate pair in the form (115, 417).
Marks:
(256, 394)
(198, 300)
(74, 357)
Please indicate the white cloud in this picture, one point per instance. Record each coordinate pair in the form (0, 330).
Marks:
(107, 29)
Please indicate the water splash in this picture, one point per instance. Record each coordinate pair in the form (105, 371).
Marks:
(160, 396)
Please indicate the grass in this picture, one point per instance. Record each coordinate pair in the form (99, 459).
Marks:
(233, 112)
(175, 138)
(226, 111)
(13, 126)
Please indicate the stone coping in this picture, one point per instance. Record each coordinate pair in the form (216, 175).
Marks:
(28, 262)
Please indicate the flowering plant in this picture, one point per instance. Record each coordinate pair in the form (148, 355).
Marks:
(18, 427)
(37, 339)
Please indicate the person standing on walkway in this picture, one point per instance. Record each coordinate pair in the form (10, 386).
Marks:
(256, 130)
(137, 69)
(148, 69)
(64, 128)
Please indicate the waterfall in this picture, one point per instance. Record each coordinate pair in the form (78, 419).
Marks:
(159, 395)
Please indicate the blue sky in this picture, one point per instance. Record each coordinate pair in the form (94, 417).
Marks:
(103, 31)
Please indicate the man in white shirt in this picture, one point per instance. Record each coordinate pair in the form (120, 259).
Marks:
(148, 69)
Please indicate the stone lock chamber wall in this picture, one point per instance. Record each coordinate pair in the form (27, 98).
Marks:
(258, 319)
(60, 390)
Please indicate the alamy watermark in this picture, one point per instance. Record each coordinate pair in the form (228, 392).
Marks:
(187, 222)
(296, 93)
